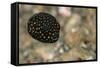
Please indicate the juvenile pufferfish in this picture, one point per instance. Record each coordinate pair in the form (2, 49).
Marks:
(44, 27)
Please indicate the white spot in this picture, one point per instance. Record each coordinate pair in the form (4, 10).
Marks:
(34, 22)
(50, 56)
(74, 30)
(53, 34)
(83, 45)
(44, 37)
(61, 50)
(33, 31)
(31, 24)
(48, 36)
(89, 58)
(40, 31)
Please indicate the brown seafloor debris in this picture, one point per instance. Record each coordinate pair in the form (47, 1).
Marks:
(77, 39)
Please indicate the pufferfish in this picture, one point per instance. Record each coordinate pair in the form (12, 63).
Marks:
(43, 27)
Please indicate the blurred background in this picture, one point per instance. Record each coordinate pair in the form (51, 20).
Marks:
(77, 41)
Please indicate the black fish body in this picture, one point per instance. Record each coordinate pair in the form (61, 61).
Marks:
(44, 28)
